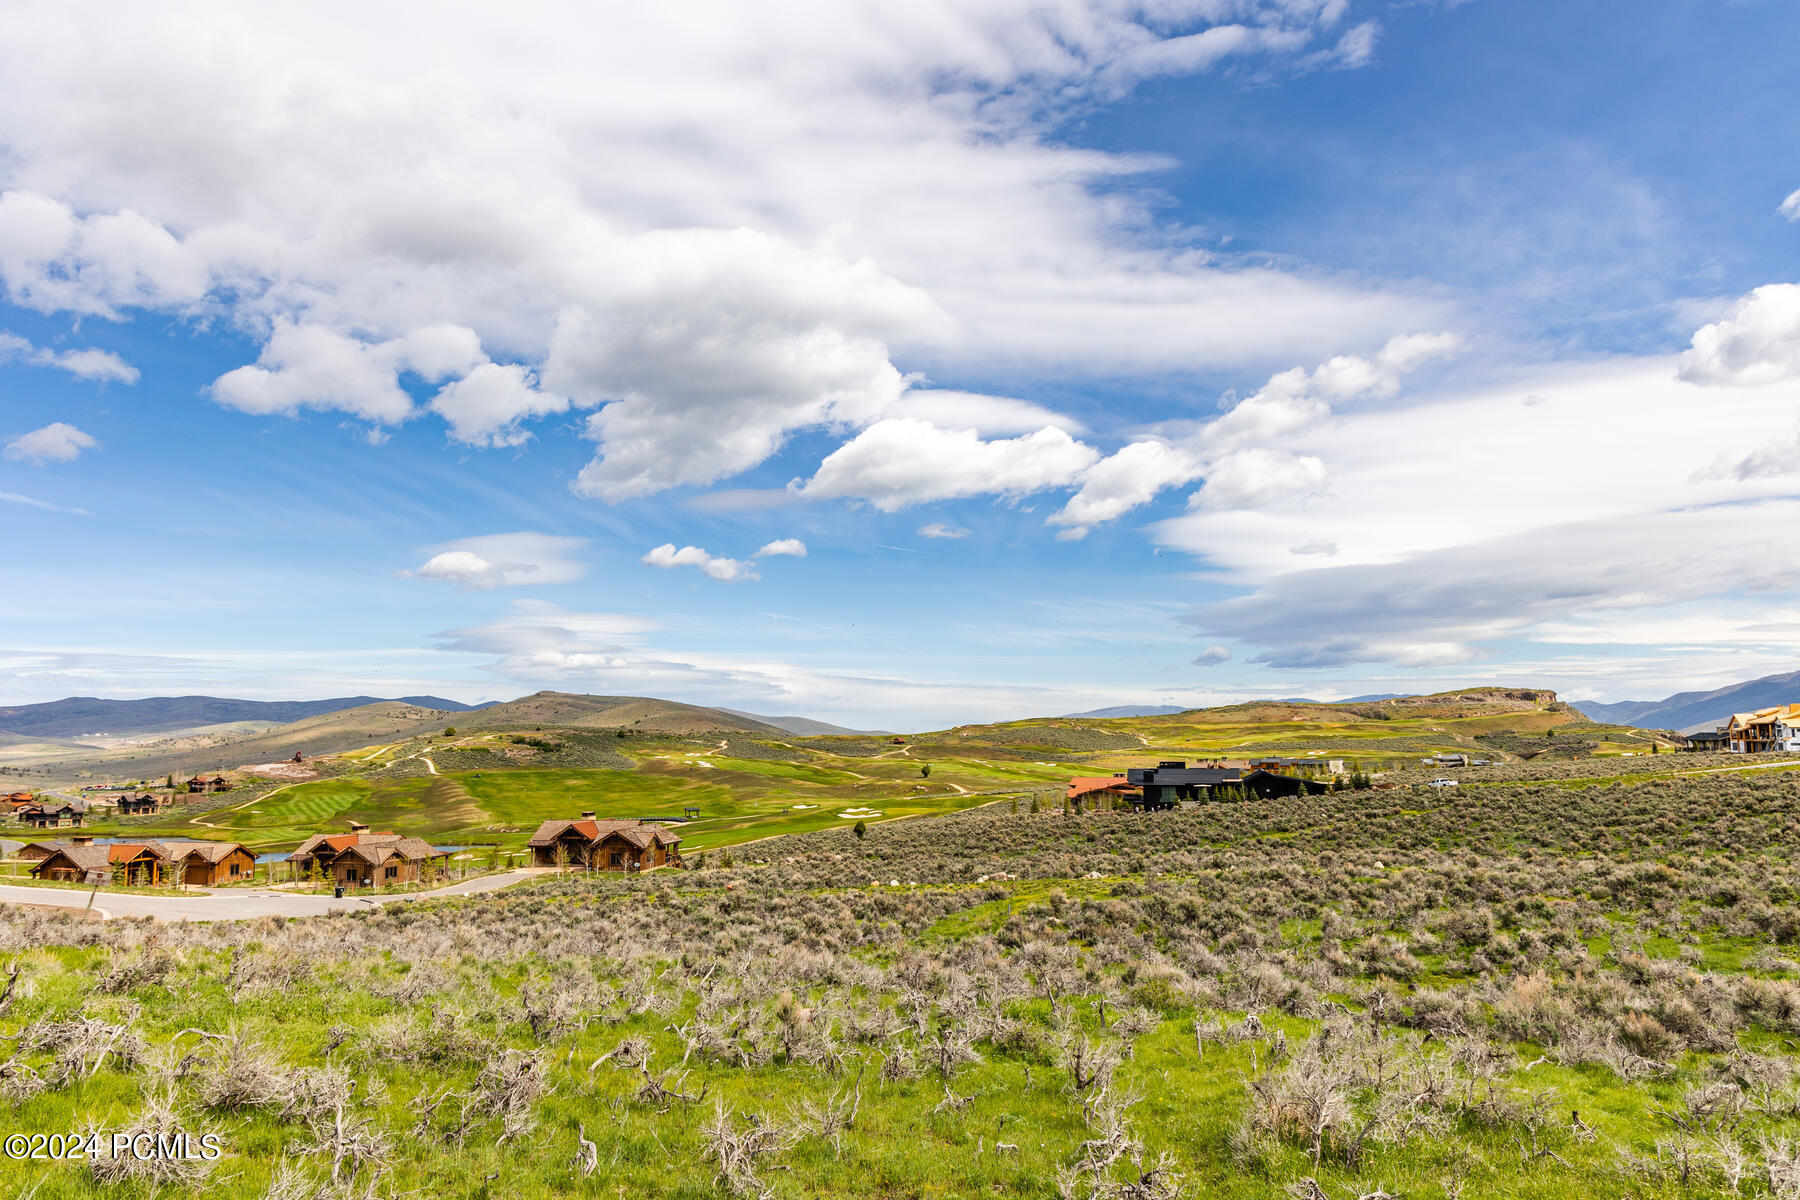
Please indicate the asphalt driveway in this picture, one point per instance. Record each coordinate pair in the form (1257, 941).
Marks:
(243, 904)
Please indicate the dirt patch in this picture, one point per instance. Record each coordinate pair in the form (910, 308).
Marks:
(84, 914)
(281, 770)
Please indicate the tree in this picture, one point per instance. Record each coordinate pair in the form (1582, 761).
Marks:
(1015, 806)
(861, 830)
(925, 770)
(1035, 807)
(449, 731)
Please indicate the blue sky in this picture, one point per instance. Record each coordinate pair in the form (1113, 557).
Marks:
(1093, 353)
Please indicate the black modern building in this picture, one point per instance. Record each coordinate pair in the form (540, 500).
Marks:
(1170, 783)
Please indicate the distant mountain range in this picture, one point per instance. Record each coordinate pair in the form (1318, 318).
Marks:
(1691, 711)
(83, 715)
(80, 715)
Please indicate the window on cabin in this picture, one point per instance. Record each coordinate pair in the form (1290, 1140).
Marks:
(618, 859)
(235, 868)
(392, 872)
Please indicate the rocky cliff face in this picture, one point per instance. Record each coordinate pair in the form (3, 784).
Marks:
(1496, 697)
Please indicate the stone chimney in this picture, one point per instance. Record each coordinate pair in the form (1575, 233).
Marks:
(359, 827)
(587, 816)
(84, 839)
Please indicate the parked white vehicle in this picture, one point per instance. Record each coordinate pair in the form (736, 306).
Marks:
(1441, 783)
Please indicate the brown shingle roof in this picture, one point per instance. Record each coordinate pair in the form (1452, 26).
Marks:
(639, 833)
(211, 852)
(374, 848)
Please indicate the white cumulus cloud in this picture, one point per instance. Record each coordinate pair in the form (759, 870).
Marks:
(1756, 342)
(485, 406)
(1241, 470)
(791, 547)
(902, 461)
(939, 529)
(56, 442)
(726, 570)
(715, 226)
(1790, 208)
(1261, 478)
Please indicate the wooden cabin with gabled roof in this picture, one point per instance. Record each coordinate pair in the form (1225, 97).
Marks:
(82, 861)
(147, 804)
(54, 816)
(365, 857)
(209, 864)
(610, 845)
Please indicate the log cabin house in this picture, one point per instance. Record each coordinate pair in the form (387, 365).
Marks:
(144, 805)
(365, 857)
(200, 784)
(605, 845)
(81, 861)
(54, 816)
(209, 864)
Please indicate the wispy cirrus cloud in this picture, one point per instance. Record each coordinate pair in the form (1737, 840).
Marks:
(99, 366)
(505, 560)
(34, 502)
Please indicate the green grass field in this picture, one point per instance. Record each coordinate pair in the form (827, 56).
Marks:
(739, 799)
(748, 788)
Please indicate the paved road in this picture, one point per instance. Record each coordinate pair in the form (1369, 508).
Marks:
(245, 904)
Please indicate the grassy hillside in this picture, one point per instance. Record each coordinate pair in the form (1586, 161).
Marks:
(496, 787)
(1399, 728)
(553, 710)
(507, 768)
(1524, 992)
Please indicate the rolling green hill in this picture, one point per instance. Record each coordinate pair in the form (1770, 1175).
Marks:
(491, 776)
(564, 710)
